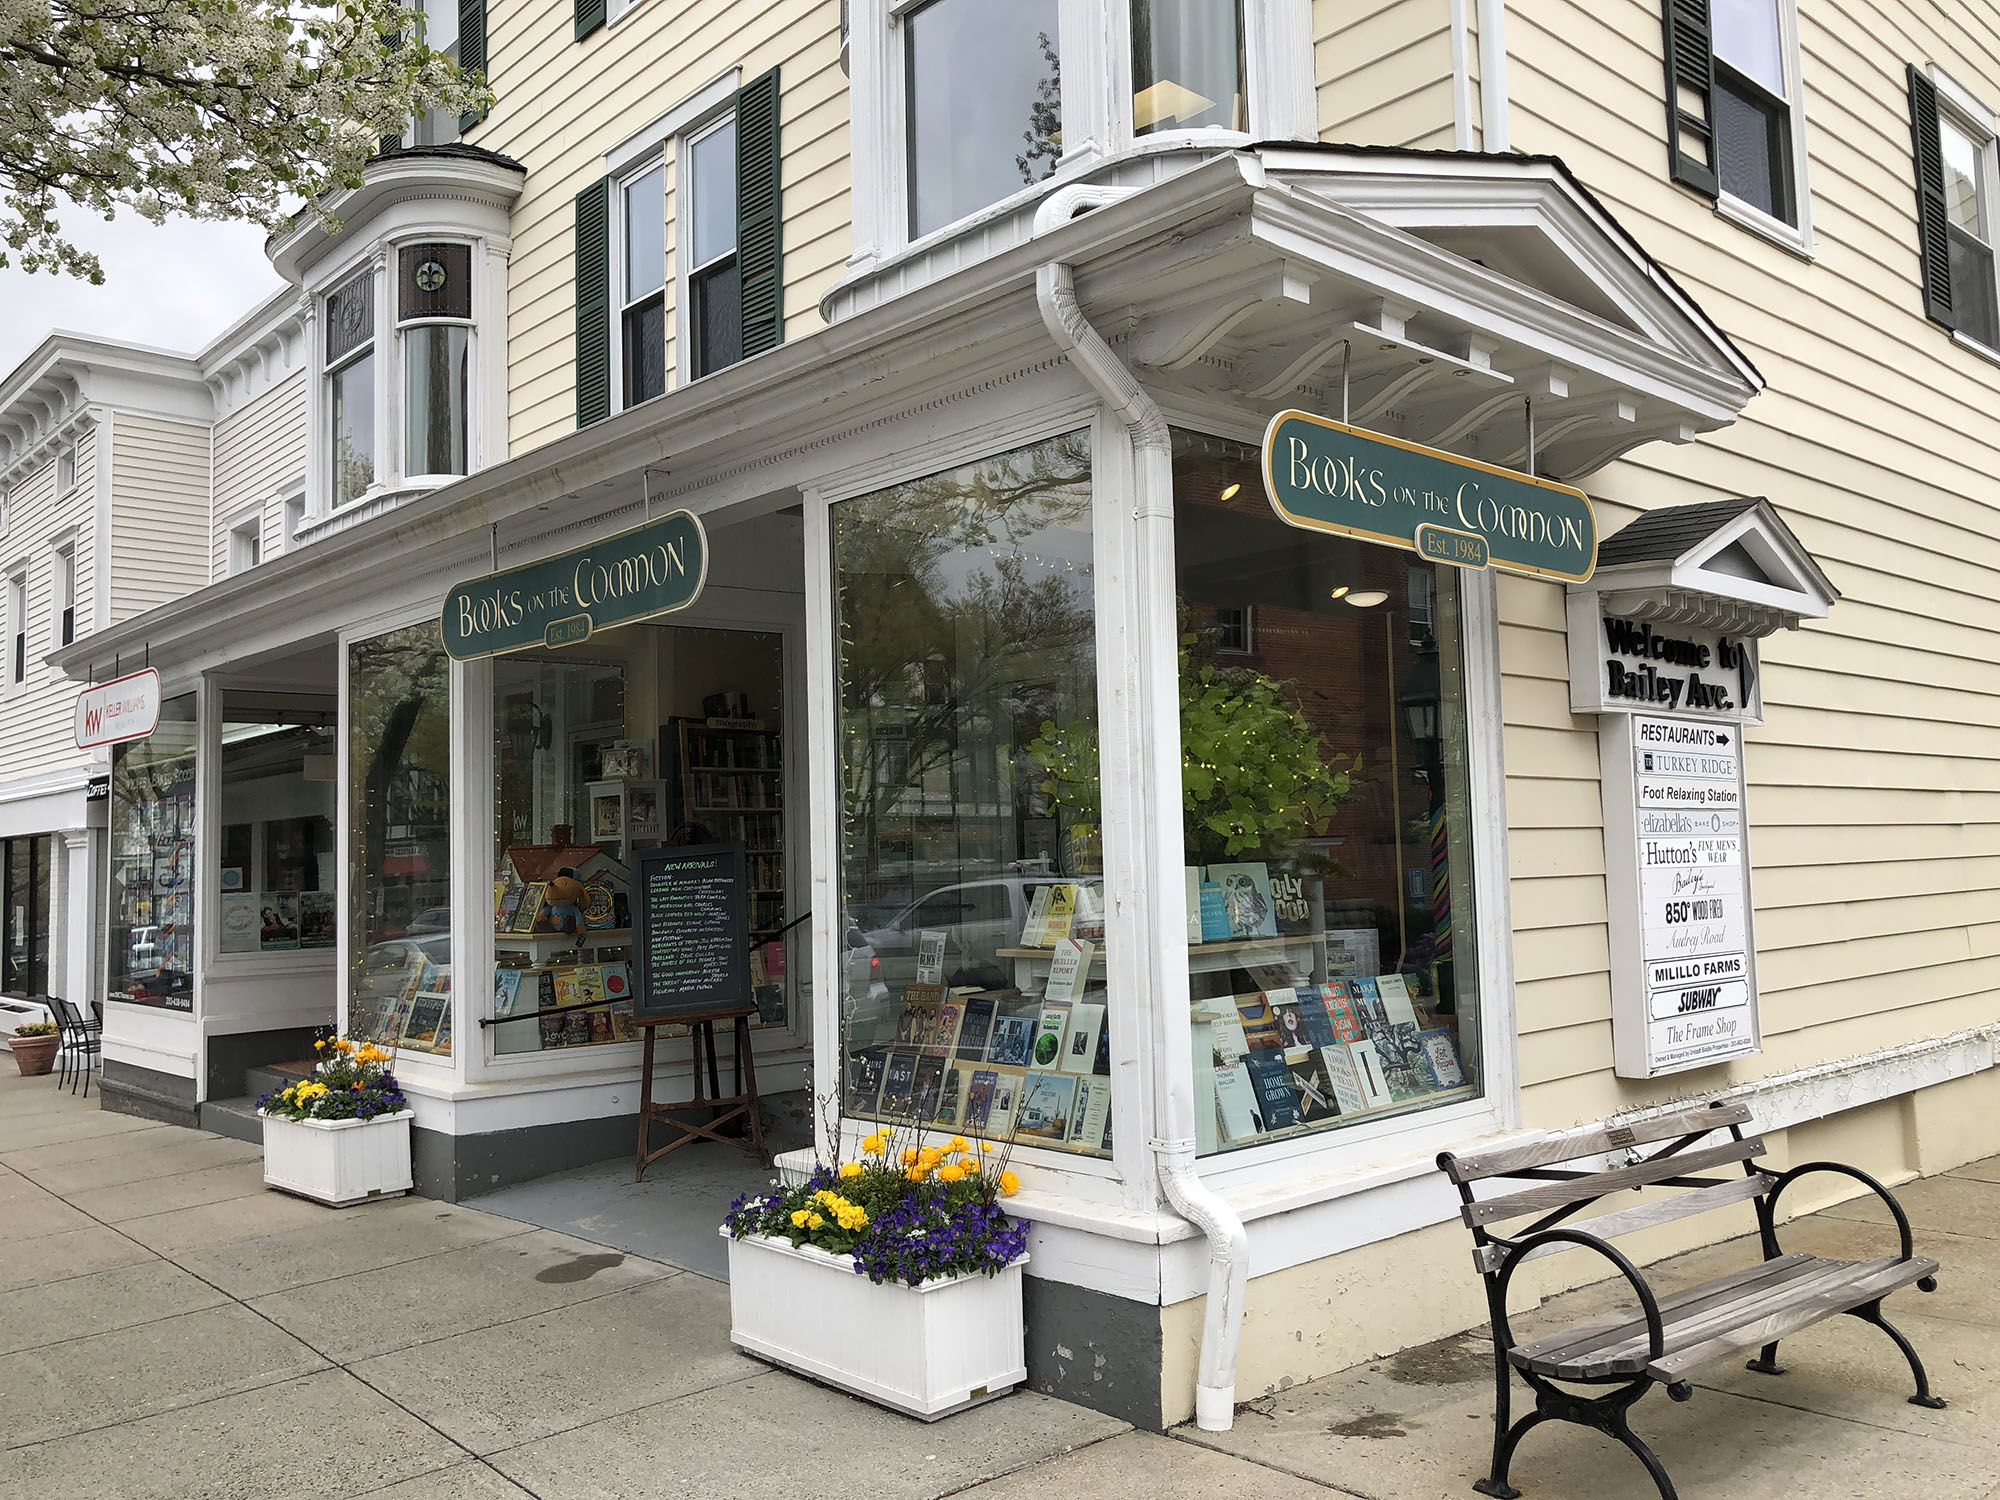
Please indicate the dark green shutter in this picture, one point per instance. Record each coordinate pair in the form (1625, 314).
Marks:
(589, 17)
(471, 49)
(593, 303)
(760, 216)
(1933, 221)
(1690, 70)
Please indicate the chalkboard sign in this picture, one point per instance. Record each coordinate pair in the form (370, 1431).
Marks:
(691, 938)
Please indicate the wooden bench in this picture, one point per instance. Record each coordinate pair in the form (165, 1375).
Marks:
(1663, 1338)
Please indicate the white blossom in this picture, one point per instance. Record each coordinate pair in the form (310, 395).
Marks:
(213, 109)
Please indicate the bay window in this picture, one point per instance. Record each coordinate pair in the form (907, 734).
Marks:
(984, 104)
(434, 311)
(1187, 66)
(350, 366)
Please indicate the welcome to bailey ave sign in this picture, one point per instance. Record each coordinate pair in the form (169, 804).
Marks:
(1326, 476)
(650, 570)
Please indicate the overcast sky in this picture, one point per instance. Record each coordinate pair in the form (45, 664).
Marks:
(176, 286)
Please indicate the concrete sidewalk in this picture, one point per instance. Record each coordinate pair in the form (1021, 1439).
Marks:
(169, 1328)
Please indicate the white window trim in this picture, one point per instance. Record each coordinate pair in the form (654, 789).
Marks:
(13, 621)
(682, 274)
(1797, 238)
(248, 521)
(65, 455)
(1959, 107)
(391, 281)
(62, 548)
(620, 300)
(369, 265)
(1096, 47)
(291, 514)
(633, 157)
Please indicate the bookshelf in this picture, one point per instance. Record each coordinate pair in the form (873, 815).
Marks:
(730, 778)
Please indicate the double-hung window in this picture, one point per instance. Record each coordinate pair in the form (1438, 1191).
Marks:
(1732, 107)
(642, 316)
(65, 470)
(434, 312)
(1952, 135)
(350, 378)
(246, 543)
(714, 299)
(17, 626)
(62, 595)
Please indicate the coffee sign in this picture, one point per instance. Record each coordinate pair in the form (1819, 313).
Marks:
(650, 570)
(1323, 475)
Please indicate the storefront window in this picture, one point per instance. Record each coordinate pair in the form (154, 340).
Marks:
(24, 906)
(399, 840)
(644, 737)
(1330, 929)
(151, 907)
(1187, 65)
(973, 992)
(984, 92)
(276, 862)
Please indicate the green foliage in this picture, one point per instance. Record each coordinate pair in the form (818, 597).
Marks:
(36, 1028)
(1255, 774)
(213, 109)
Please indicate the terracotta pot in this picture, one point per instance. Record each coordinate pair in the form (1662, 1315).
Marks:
(35, 1055)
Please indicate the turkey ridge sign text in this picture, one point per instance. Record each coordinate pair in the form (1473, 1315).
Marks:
(650, 570)
(1326, 476)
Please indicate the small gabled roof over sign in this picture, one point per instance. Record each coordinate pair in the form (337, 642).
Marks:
(1729, 565)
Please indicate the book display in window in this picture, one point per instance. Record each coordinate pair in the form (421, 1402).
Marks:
(728, 786)
(568, 958)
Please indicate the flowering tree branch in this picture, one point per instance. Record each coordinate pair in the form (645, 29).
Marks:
(213, 109)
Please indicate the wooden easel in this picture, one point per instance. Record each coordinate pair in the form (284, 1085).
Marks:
(701, 1026)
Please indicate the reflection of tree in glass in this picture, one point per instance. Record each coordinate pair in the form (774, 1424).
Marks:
(1044, 132)
(955, 643)
(354, 470)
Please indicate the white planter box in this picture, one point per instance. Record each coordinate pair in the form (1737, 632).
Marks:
(338, 1162)
(929, 1350)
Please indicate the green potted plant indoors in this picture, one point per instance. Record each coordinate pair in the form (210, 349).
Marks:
(34, 1047)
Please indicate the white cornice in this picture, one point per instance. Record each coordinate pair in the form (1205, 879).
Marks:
(419, 175)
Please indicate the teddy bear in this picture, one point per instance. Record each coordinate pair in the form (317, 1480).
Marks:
(562, 907)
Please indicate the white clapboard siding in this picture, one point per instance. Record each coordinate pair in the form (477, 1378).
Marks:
(260, 450)
(563, 104)
(35, 714)
(1874, 802)
(1383, 71)
(159, 512)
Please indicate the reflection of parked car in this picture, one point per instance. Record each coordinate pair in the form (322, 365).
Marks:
(386, 965)
(432, 919)
(978, 919)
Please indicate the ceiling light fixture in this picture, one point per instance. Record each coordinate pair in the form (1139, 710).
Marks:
(1367, 598)
(1339, 593)
(1230, 493)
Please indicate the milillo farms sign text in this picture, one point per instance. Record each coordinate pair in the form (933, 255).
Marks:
(1327, 476)
(650, 570)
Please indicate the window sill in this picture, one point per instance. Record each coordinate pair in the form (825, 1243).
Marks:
(1785, 236)
(1972, 345)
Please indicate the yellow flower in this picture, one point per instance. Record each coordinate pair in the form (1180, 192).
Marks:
(930, 1156)
(814, 1221)
(1009, 1184)
(958, 1143)
(874, 1145)
(798, 1218)
(950, 1174)
(319, 1046)
(917, 1174)
(850, 1169)
(985, 1145)
(909, 1156)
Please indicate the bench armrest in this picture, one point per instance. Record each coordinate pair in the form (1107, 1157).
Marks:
(1517, 1251)
(1770, 1202)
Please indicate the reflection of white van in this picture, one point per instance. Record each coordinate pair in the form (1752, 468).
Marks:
(978, 919)
(143, 955)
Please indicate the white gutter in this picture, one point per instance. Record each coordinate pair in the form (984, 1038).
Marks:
(1159, 777)
(1461, 78)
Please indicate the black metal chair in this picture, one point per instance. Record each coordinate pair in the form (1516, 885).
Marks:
(81, 1041)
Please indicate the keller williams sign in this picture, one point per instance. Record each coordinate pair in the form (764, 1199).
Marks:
(125, 708)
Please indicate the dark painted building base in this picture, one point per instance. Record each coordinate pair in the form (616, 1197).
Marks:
(130, 1090)
(1094, 1349)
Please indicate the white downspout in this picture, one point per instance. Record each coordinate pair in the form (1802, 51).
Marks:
(1160, 777)
(1493, 133)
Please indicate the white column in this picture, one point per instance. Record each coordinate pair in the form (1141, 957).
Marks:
(78, 918)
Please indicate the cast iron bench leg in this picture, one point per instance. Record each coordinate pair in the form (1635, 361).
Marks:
(1766, 1362)
(1872, 1313)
